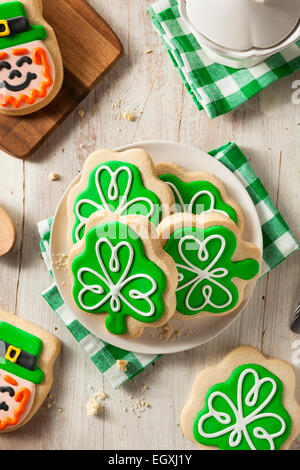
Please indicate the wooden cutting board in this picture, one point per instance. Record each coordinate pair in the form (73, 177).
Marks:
(89, 49)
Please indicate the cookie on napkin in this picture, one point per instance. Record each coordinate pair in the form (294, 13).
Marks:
(214, 264)
(121, 275)
(246, 402)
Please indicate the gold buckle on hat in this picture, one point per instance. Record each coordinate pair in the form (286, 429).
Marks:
(11, 349)
(6, 32)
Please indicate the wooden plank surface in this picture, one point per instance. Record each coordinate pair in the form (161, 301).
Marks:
(266, 128)
(89, 49)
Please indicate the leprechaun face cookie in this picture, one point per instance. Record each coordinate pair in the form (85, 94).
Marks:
(27, 357)
(120, 182)
(214, 265)
(198, 192)
(121, 274)
(246, 402)
(30, 64)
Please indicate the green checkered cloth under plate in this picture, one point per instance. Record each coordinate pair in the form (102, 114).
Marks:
(278, 240)
(215, 88)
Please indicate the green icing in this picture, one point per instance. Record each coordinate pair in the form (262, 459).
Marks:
(118, 187)
(203, 259)
(114, 276)
(245, 412)
(9, 10)
(26, 342)
(198, 197)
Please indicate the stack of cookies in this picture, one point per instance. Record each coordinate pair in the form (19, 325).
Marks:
(148, 242)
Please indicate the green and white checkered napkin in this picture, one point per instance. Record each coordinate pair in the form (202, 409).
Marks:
(215, 88)
(279, 243)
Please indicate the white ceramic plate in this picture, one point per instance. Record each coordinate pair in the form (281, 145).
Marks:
(192, 333)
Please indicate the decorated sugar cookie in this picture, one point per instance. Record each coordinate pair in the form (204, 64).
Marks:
(7, 233)
(246, 402)
(122, 275)
(214, 265)
(31, 70)
(198, 192)
(120, 182)
(27, 357)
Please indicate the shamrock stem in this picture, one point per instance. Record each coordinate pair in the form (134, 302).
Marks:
(116, 323)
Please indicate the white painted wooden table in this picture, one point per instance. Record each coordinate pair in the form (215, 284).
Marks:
(267, 129)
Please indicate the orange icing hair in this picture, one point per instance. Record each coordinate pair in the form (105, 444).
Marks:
(20, 51)
(10, 380)
(22, 397)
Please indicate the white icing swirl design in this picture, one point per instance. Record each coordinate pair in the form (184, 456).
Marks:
(238, 429)
(189, 207)
(114, 289)
(201, 275)
(114, 194)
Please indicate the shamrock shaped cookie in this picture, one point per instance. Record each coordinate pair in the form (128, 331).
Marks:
(121, 274)
(198, 192)
(214, 265)
(244, 403)
(120, 182)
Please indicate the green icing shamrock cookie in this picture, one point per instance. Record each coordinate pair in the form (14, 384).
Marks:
(245, 402)
(197, 197)
(209, 281)
(113, 275)
(123, 183)
(117, 187)
(198, 192)
(245, 412)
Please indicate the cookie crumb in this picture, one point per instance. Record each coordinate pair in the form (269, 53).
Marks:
(122, 365)
(100, 395)
(129, 116)
(175, 336)
(93, 405)
(53, 176)
(166, 332)
(60, 260)
(117, 103)
(49, 401)
(81, 113)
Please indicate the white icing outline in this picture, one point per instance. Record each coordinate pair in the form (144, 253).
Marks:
(113, 195)
(239, 428)
(189, 208)
(114, 294)
(201, 274)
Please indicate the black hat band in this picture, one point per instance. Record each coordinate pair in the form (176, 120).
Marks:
(24, 359)
(17, 25)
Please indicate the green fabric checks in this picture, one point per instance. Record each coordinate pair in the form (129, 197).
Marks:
(279, 243)
(215, 88)
(278, 240)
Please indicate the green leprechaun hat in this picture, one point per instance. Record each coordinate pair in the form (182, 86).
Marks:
(15, 28)
(19, 353)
